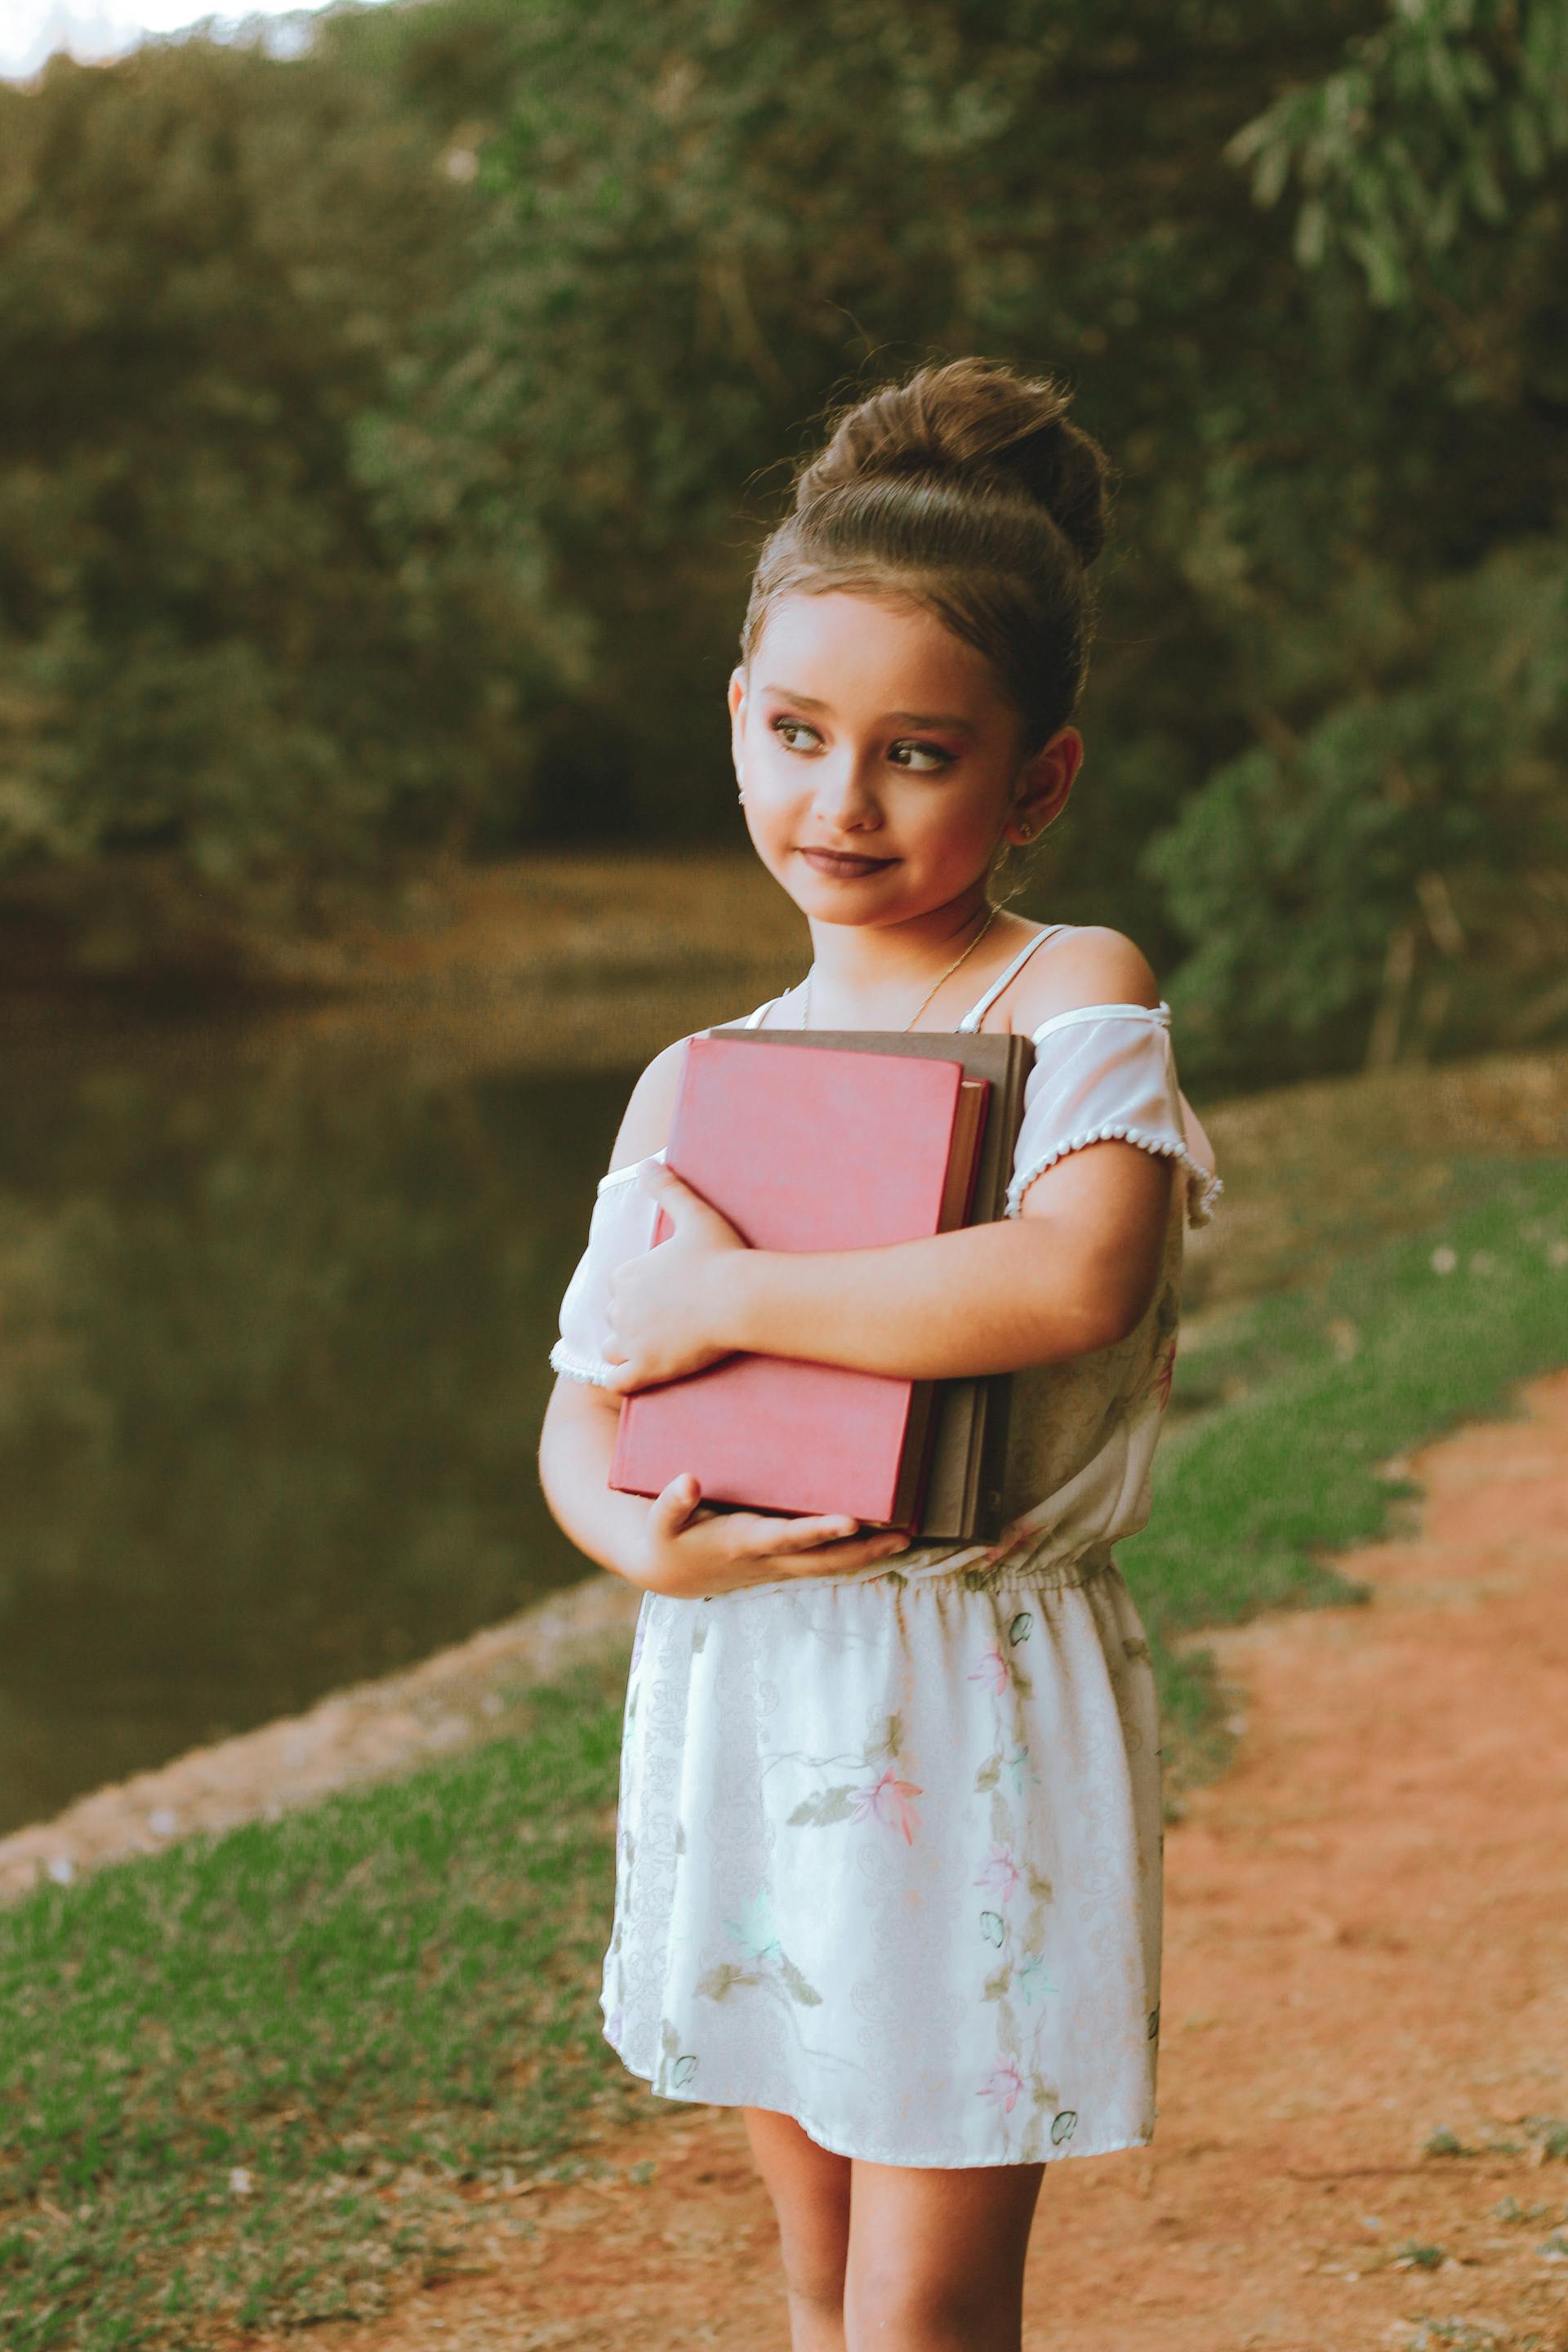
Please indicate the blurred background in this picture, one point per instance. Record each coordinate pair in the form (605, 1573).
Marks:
(394, 398)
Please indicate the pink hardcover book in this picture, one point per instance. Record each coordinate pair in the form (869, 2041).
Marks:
(805, 1148)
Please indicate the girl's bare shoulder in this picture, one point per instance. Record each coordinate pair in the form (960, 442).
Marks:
(1091, 964)
(651, 1107)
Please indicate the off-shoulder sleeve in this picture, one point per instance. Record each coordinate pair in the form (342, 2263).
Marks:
(621, 1227)
(1106, 1071)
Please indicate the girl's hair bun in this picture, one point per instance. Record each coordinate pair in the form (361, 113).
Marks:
(969, 488)
(977, 423)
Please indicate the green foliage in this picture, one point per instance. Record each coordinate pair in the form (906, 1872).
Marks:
(1410, 147)
(209, 263)
(1410, 831)
(390, 431)
(704, 223)
(705, 220)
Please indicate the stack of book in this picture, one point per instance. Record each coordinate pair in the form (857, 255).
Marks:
(859, 1138)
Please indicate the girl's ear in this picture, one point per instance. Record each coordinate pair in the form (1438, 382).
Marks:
(1046, 779)
(737, 697)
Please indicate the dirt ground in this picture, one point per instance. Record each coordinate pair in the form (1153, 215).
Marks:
(1367, 1949)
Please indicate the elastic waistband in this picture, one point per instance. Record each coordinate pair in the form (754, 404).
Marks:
(964, 1567)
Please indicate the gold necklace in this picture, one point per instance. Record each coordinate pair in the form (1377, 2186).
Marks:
(969, 950)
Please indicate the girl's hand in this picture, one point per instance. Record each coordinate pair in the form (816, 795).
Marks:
(690, 1552)
(665, 1311)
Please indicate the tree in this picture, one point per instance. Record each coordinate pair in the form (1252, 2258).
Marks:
(392, 429)
(1415, 840)
(210, 261)
(709, 220)
(1411, 144)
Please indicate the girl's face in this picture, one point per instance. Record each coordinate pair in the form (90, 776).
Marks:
(869, 728)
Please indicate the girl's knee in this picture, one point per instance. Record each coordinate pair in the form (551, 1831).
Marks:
(813, 2274)
(813, 2258)
(888, 2309)
(817, 2301)
(812, 2248)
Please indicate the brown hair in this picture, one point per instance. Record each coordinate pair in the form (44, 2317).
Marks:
(966, 489)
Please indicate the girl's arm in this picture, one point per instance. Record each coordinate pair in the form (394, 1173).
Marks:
(1076, 1270)
(578, 1436)
(675, 1544)
(575, 1445)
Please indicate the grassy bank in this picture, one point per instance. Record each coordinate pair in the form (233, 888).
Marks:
(142, 928)
(253, 2079)
(249, 2079)
(1381, 1350)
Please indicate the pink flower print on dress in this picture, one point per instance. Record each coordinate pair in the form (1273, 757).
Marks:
(992, 1669)
(999, 1873)
(887, 1800)
(1002, 2083)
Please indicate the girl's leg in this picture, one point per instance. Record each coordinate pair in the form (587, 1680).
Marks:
(936, 2258)
(810, 2189)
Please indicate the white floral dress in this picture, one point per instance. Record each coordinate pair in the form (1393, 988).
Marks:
(890, 1842)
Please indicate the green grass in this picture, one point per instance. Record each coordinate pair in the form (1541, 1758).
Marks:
(256, 2078)
(355, 2010)
(1375, 1353)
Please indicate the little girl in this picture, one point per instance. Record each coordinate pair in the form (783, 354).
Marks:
(888, 1868)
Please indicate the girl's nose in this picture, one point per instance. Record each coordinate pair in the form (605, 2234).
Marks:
(842, 798)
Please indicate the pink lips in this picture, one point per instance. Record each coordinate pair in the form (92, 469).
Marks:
(826, 861)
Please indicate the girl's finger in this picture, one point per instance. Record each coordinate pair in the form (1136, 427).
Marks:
(673, 1507)
(856, 1551)
(828, 1535)
(797, 1535)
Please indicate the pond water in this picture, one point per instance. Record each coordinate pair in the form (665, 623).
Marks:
(274, 1326)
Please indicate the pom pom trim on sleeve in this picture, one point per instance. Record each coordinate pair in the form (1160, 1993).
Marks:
(1204, 1187)
(562, 1359)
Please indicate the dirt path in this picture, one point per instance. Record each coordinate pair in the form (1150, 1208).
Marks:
(1366, 1944)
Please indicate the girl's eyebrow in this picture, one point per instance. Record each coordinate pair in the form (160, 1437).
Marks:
(911, 717)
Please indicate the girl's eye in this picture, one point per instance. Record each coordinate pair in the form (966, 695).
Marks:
(933, 754)
(931, 751)
(782, 727)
